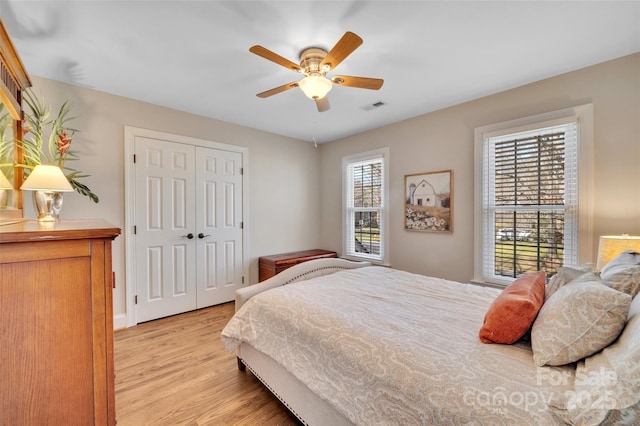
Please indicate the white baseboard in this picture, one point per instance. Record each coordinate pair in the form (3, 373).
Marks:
(119, 321)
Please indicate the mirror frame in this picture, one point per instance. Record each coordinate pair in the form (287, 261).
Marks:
(13, 80)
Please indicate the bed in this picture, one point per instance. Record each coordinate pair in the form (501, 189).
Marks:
(342, 342)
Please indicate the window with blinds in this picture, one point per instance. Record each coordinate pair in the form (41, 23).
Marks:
(364, 201)
(530, 202)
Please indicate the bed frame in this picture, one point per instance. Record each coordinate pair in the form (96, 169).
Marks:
(308, 407)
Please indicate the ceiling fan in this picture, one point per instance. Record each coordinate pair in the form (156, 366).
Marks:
(315, 63)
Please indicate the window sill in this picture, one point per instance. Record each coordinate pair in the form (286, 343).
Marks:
(488, 284)
(365, 259)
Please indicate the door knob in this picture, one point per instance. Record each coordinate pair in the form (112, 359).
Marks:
(189, 236)
(201, 235)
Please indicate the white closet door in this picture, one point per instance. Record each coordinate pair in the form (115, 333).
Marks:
(165, 255)
(219, 225)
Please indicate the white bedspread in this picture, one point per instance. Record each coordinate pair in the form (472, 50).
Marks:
(387, 347)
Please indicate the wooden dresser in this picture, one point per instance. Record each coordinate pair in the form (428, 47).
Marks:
(56, 323)
(274, 264)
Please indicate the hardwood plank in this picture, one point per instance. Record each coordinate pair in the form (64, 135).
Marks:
(175, 371)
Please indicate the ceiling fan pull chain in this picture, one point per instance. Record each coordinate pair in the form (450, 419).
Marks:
(315, 130)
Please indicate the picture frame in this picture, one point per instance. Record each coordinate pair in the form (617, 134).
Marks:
(429, 201)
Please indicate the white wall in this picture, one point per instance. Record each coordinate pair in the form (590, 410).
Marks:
(444, 140)
(283, 172)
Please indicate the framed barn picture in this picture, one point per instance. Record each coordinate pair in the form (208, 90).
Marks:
(429, 201)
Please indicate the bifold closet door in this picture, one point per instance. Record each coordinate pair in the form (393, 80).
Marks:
(219, 225)
(188, 239)
(165, 228)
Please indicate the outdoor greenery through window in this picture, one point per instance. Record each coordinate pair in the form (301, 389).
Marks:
(364, 206)
(530, 200)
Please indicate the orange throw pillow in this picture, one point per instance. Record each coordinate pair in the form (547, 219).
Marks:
(511, 315)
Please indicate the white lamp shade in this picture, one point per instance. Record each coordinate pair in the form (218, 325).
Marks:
(612, 245)
(4, 182)
(47, 178)
(315, 86)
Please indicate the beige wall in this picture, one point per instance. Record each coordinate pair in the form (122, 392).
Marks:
(444, 140)
(283, 172)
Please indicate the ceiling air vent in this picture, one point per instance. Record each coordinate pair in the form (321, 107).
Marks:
(373, 106)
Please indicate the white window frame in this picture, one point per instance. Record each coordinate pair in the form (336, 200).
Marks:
(583, 115)
(348, 227)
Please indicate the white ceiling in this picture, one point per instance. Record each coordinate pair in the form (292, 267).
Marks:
(194, 55)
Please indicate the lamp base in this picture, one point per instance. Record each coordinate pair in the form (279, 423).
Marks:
(48, 205)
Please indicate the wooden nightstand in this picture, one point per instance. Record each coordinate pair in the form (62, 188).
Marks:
(276, 263)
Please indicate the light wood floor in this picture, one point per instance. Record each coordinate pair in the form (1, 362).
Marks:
(175, 371)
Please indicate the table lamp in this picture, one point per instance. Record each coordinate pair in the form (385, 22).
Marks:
(47, 180)
(612, 245)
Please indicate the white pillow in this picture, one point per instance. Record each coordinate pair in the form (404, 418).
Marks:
(609, 380)
(578, 320)
(623, 273)
(564, 276)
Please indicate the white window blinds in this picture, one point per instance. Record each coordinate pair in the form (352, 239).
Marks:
(364, 207)
(530, 202)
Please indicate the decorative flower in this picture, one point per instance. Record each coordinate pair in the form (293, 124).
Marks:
(63, 143)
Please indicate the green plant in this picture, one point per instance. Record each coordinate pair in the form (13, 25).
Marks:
(56, 149)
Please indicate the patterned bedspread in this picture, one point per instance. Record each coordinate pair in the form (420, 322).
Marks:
(384, 347)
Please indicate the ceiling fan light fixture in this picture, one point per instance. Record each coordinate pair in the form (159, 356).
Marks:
(315, 86)
(315, 63)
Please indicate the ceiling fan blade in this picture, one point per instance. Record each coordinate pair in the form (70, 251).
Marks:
(343, 48)
(274, 57)
(359, 82)
(277, 90)
(323, 104)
